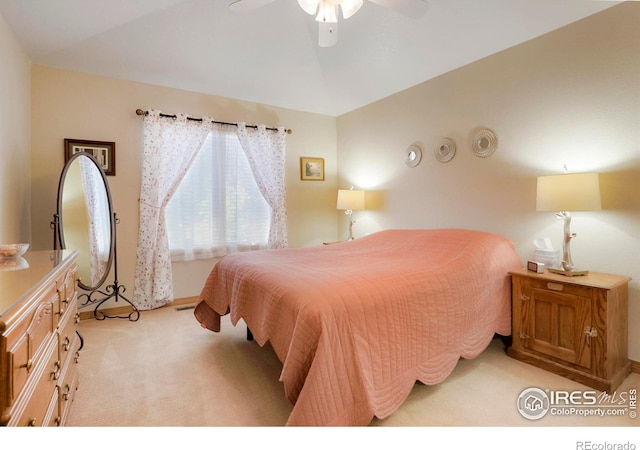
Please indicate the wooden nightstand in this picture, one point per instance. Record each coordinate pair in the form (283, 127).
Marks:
(576, 327)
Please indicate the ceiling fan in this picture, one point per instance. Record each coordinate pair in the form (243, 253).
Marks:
(326, 12)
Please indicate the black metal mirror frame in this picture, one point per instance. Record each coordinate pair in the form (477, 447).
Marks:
(60, 218)
(114, 290)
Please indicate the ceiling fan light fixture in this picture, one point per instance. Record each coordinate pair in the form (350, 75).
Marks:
(327, 12)
(309, 6)
(350, 7)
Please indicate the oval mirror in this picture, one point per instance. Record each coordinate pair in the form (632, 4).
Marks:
(85, 219)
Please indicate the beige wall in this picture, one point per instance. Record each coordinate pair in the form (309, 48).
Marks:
(81, 106)
(14, 139)
(570, 97)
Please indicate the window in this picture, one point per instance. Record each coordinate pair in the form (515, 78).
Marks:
(217, 208)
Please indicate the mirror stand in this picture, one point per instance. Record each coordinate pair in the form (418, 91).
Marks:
(111, 291)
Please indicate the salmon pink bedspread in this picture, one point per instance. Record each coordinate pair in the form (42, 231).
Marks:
(355, 324)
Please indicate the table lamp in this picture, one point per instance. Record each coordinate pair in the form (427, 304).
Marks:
(565, 193)
(350, 200)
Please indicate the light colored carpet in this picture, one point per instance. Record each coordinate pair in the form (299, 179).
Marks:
(166, 371)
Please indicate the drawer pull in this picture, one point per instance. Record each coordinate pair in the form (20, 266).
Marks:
(32, 422)
(55, 374)
(76, 317)
(28, 365)
(555, 287)
(77, 358)
(58, 421)
(67, 344)
(67, 390)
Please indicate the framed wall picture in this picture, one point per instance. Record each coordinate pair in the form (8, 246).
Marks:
(103, 152)
(312, 169)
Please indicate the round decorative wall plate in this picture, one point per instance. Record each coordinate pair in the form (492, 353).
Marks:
(412, 155)
(445, 150)
(485, 142)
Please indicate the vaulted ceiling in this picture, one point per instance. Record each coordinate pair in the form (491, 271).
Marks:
(270, 55)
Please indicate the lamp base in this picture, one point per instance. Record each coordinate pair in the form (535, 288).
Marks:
(568, 273)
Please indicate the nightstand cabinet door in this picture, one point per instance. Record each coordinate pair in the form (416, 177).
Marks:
(554, 323)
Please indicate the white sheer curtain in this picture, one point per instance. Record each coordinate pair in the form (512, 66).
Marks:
(265, 150)
(169, 148)
(99, 218)
(218, 207)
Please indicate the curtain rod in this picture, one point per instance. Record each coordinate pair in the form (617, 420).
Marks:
(141, 112)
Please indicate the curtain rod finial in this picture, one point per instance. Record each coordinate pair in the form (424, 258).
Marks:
(140, 112)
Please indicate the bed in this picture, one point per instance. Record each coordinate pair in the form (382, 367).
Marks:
(357, 323)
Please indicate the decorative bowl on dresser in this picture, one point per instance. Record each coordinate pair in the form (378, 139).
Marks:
(575, 326)
(39, 345)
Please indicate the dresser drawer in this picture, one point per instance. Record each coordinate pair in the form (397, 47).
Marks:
(52, 416)
(31, 406)
(67, 331)
(68, 384)
(66, 288)
(25, 347)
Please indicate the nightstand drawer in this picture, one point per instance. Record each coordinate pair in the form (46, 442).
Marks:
(556, 286)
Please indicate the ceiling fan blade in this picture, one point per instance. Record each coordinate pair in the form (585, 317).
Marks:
(411, 8)
(247, 5)
(327, 34)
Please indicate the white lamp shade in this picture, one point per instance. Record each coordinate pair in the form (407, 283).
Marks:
(569, 192)
(350, 7)
(349, 199)
(327, 8)
(309, 6)
(327, 12)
